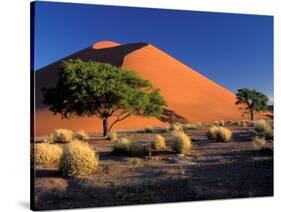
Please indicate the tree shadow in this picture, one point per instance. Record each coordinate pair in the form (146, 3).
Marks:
(171, 116)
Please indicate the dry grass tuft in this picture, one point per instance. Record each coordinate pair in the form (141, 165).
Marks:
(113, 136)
(176, 127)
(81, 135)
(44, 154)
(48, 139)
(63, 135)
(148, 129)
(159, 142)
(258, 143)
(140, 149)
(182, 143)
(122, 146)
(219, 133)
(78, 159)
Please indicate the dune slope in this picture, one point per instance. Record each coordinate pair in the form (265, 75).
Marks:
(190, 96)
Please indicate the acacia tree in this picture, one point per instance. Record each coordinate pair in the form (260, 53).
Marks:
(102, 90)
(253, 100)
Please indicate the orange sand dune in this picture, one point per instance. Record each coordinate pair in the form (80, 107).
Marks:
(190, 96)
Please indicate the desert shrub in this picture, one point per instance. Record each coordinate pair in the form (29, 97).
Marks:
(258, 143)
(140, 149)
(189, 126)
(159, 142)
(122, 146)
(221, 123)
(219, 134)
(81, 135)
(78, 159)
(148, 129)
(268, 134)
(216, 123)
(243, 123)
(176, 127)
(198, 125)
(113, 136)
(181, 143)
(261, 125)
(45, 154)
(48, 139)
(63, 135)
(212, 132)
(224, 134)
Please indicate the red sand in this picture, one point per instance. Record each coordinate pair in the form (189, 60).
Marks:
(190, 96)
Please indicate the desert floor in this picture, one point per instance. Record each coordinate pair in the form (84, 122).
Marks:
(212, 170)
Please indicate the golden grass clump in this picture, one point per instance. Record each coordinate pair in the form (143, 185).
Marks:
(261, 125)
(48, 139)
(44, 154)
(176, 127)
(148, 129)
(258, 143)
(189, 126)
(221, 123)
(219, 134)
(224, 134)
(182, 143)
(78, 159)
(63, 135)
(113, 136)
(81, 135)
(158, 143)
(140, 149)
(122, 146)
(212, 132)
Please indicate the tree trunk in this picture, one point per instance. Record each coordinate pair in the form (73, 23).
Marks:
(252, 115)
(105, 126)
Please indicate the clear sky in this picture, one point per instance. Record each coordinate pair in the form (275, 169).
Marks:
(231, 49)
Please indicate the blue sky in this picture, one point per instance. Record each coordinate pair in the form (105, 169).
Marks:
(233, 50)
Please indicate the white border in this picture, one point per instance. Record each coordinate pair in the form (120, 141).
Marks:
(14, 122)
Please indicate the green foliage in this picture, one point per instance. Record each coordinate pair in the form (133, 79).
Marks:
(253, 100)
(78, 159)
(102, 90)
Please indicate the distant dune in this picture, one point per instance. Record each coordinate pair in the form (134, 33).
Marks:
(190, 96)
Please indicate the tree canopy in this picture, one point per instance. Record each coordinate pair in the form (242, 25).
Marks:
(102, 90)
(253, 100)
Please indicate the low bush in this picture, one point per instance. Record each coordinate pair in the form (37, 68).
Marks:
(48, 139)
(158, 143)
(78, 159)
(224, 134)
(221, 123)
(148, 129)
(258, 143)
(81, 135)
(261, 126)
(113, 136)
(63, 135)
(212, 132)
(122, 146)
(219, 134)
(44, 154)
(140, 149)
(189, 126)
(181, 143)
(176, 127)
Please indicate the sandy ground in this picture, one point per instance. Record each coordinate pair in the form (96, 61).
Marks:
(210, 171)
